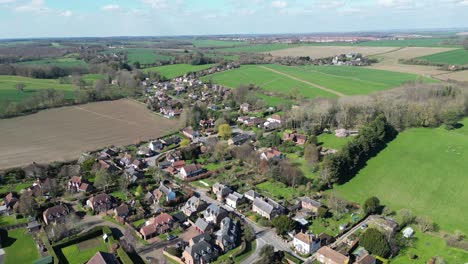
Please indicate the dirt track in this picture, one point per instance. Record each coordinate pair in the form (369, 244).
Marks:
(64, 133)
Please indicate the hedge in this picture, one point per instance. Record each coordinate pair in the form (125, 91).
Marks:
(123, 256)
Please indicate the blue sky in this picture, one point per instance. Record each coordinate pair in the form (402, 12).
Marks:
(75, 18)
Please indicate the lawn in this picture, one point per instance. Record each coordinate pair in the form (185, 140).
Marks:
(20, 247)
(60, 62)
(4, 189)
(306, 79)
(458, 56)
(119, 195)
(331, 141)
(91, 78)
(7, 220)
(302, 165)
(273, 100)
(139, 223)
(329, 225)
(423, 170)
(426, 246)
(83, 251)
(277, 189)
(9, 92)
(176, 70)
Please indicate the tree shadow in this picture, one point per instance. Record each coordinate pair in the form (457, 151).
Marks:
(6, 240)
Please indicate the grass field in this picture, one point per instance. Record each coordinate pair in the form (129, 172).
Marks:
(423, 170)
(91, 78)
(176, 70)
(458, 56)
(83, 251)
(4, 189)
(332, 141)
(427, 246)
(145, 56)
(60, 62)
(423, 42)
(276, 190)
(7, 220)
(258, 48)
(206, 43)
(329, 51)
(308, 80)
(8, 87)
(273, 100)
(19, 247)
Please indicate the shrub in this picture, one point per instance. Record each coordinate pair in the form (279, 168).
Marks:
(375, 242)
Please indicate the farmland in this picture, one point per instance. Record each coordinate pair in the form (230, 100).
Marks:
(422, 170)
(145, 56)
(258, 48)
(458, 56)
(176, 70)
(64, 133)
(312, 81)
(60, 62)
(329, 51)
(206, 43)
(416, 42)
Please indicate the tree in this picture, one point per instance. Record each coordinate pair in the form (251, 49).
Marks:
(322, 212)
(371, 205)
(139, 191)
(20, 87)
(247, 232)
(27, 205)
(102, 179)
(465, 43)
(406, 217)
(374, 242)
(450, 120)
(224, 131)
(185, 142)
(311, 154)
(137, 65)
(283, 224)
(425, 224)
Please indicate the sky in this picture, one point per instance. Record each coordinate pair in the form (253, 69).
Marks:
(100, 18)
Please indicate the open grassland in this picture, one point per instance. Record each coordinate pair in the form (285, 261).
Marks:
(60, 62)
(390, 61)
(458, 56)
(8, 91)
(329, 51)
(83, 251)
(207, 43)
(273, 100)
(145, 56)
(64, 133)
(19, 247)
(258, 48)
(426, 246)
(423, 170)
(176, 70)
(312, 81)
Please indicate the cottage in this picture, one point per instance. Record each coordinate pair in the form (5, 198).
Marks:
(238, 140)
(190, 133)
(191, 170)
(202, 226)
(326, 255)
(10, 201)
(107, 165)
(76, 184)
(365, 259)
(103, 258)
(193, 206)
(55, 214)
(122, 211)
(251, 195)
(221, 191)
(145, 151)
(170, 141)
(214, 214)
(133, 174)
(200, 250)
(165, 191)
(267, 208)
(306, 243)
(234, 199)
(294, 137)
(271, 154)
(156, 145)
(157, 225)
(275, 119)
(227, 238)
(100, 203)
(126, 160)
(309, 204)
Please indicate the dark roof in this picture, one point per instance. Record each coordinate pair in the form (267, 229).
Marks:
(55, 211)
(103, 258)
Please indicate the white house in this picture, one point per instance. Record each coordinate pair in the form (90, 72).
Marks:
(234, 199)
(408, 232)
(306, 243)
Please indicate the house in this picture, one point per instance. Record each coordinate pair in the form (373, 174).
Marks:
(238, 139)
(76, 184)
(271, 154)
(251, 195)
(275, 119)
(267, 208)
(191, 170)
(408, 232)
(156, 145)
(365, 259)
(100, 203)
(309, 204)
(133, 174)
(227, 238)
(173, 156)
(138, 164)
(122, 211)
(103, 258)
(171, 141)
(326, 255)
(10, 201)
(385, 225)
(126, 160)
(55, 214)
(190, 133)
(107, 165)
(234, 199)
(145, 151)
(294, 137)
(202, 226)
(33, 226)
(193, 206)
(157, 225)
(221, 191)
(214, 214)
(244, 108)
(208, 123)
(200, 250)
(165, 191)
(306, 243)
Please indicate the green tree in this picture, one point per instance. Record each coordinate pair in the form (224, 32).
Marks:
(311, 154)
(374, 242)
(139, 191)
(371, 205)
(322, 212)
(405, 216)
(283, 224)
(20, 87)
(27, 205)
(102, 179)
(224, 131)
(137, 65)
(450, 120)
(185, 142)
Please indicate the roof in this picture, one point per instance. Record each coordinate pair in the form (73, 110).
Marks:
(214, 209)
(162, 218)
(100, 198)
(234, 196)
(122, 209)
(76, 179)
(189, 168)
(365, 259)
(103, 258)
(201, 237)
(332, 254)
(253, 194)
(55, 211)
(148, 230)
(306, 238)
(202, 224)
(310, 201)
(263, 205)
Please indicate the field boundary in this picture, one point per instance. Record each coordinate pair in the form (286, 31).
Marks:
(304, 81)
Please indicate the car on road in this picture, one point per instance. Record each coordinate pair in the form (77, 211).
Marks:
(170, 237)
(364, 226)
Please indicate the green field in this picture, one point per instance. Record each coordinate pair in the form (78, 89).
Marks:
(259, 48)
(176, 70)
(332, 141)
(61, 62)
(427, 246)
(8, 87)
(91, 78)
(206, 43)
(422, 42)
(345, 80)
(458, 56)
(145, 56)
(423, 170)
(276, 190)
(82, 252)
(19, 247)
(273, 100)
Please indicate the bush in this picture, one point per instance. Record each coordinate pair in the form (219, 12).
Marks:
(123, 256)
(371, 205)
(375, 242)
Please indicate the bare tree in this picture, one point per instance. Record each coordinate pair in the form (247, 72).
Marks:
(20, 87)
(27, 205)
(425, 224)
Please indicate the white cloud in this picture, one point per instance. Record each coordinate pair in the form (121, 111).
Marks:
(66, 13)
(32, 6)
(111, 8)
(7, 1)
(279, 4)
(396, 3)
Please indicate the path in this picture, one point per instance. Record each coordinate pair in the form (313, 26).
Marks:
(303, 81)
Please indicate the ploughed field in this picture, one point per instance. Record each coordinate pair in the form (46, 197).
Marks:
(423, 170)
(64, 133)
(176, 70)
(313, 81)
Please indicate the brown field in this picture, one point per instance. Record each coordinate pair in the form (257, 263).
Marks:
(328, 51)
(461, 76)
(389, 61)
(64, 133)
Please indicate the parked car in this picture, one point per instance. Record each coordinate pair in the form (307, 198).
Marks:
(170, 237)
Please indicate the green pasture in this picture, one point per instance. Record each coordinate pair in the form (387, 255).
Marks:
(176, 70)
(19, 247)
(207, 43)
(60, 62)
(458, 56)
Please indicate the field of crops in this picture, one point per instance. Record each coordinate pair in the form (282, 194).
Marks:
(329, 51)
(60, 62)
(9, 92)
(423, 170)
(259, 48)
(458, 56)
(206, 43)
(145, 56)
(312, 81)
(176, 70)
(422, 42)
